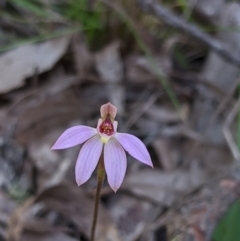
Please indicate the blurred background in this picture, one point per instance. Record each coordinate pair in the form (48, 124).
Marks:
(172, 70)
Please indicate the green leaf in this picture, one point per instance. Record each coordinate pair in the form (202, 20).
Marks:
(228, 228)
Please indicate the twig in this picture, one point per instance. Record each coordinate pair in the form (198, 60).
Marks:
(227, 132)
(222, 105)
(142, 109)
(167, 16)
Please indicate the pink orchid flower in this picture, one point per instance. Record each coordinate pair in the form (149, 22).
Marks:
(106, 139)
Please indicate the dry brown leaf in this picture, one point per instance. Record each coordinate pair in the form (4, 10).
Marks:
(109, 64)
(20, 63)
(72, 203)
(164, 188)
(17, 220)
(7, 206)
(164, 114)
(50, 115)
(83, 59)
(52, 167)
(31, 236)
(110, 68)
(140, 69)
(130, 215)
(23, 219)
(167, 155)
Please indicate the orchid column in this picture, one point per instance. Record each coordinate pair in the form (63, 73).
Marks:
(104, 147)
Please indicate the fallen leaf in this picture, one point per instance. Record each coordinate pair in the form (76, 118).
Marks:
(67, 200)
(162, 187)
(83, 59)
(109, 64)
(130, 215)
(140, 69)
(17, 220)
(30, 236)
(167, 115)
(167, 155)
(7, 206)
(110, 68)
(73, 203)
(20, 63)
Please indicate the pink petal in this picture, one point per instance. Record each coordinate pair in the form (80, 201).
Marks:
(108, 109)
(74, 136)
(115, 163)
(87, 159)
(134, 147)
(115, 125)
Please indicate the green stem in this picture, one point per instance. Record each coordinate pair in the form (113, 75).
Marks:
(100, 179)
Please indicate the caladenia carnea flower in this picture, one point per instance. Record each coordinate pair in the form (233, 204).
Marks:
(103, 140)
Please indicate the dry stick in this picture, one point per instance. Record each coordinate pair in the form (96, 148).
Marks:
(100, 179)
(227, 132)
(222, 105)
(167, 16)
(142, 109)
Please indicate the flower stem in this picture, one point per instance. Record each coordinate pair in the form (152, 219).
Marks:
(100, 179)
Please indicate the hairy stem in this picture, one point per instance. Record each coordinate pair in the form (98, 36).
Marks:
(100, 179)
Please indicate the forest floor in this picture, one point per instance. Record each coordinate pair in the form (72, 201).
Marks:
(171, 69)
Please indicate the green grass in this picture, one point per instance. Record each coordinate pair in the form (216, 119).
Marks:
(92, 20)
(21, 42)
(228, 228)
(52, 20)
(31, 6)
(185, 7)
(18, 193)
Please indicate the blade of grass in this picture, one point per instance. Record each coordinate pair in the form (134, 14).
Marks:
(228, 227)
(185, 7)
(39, 39)
(31, 7)
(89, 18)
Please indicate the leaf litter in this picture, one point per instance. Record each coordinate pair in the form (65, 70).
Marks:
(48, 86)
